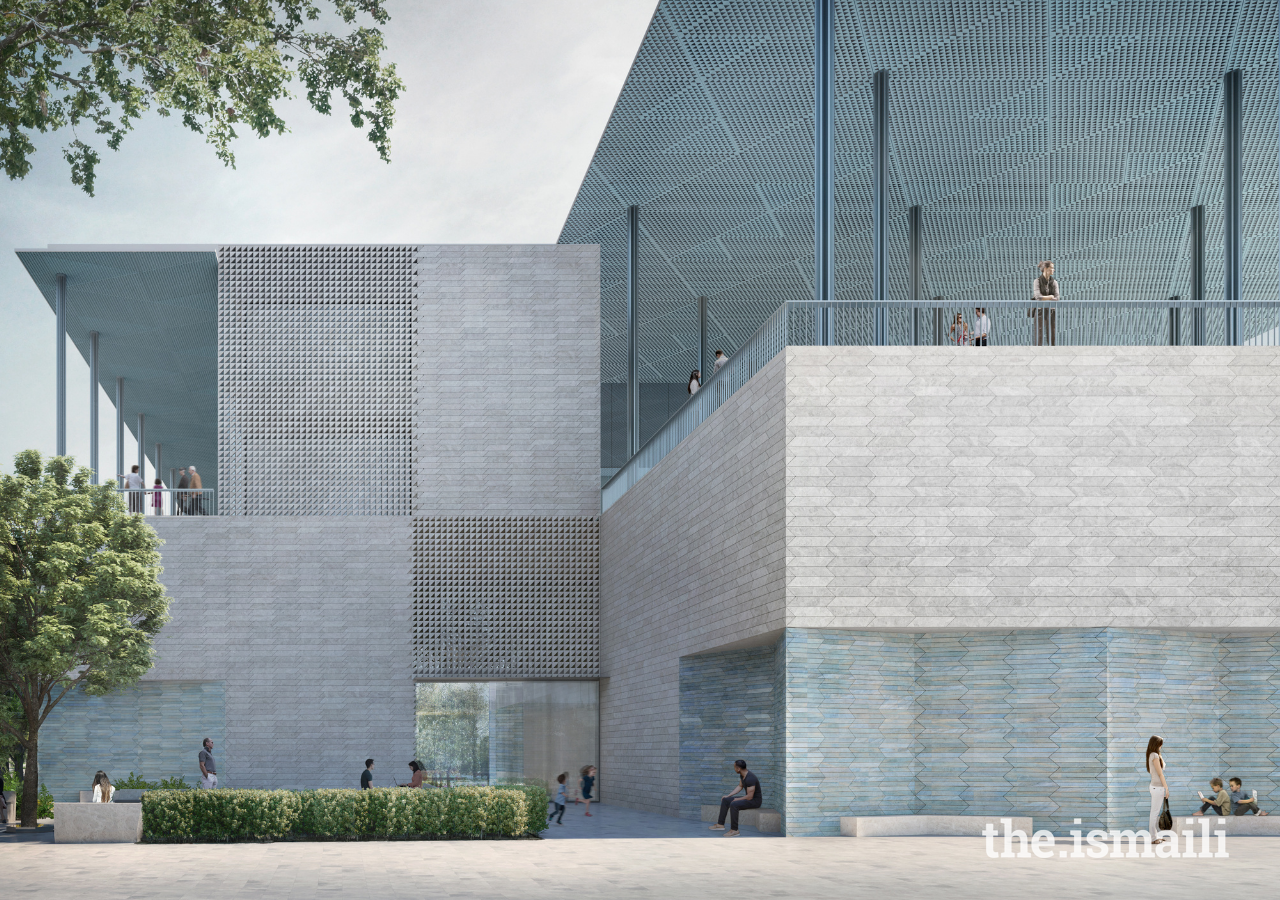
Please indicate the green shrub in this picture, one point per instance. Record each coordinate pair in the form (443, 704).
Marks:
(44, 803)
(221, 815)
(134, 783)
(536, 800)
(230, 815)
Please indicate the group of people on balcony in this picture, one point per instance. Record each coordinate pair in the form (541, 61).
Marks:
(188, 499)
(1045, 292)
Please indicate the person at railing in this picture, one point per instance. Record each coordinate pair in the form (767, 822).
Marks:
(156, 493)
(133, 483)
(695, 382)
(721, 359)
(1045, 316)
(959, 331)
(197, 499)
(181, 500)
(981, 327)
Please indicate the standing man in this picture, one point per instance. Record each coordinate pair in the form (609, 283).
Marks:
(208, 768)
(197, 498)
(1045, 292)
(749, 785)
(981, 327)
(721, 359)
(366, 777)
(183, 483)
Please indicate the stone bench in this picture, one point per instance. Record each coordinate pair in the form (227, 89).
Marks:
(1242, 825)
(117, 796)
(763, 820)
(97, 823)
(946, 826)
(9, 807)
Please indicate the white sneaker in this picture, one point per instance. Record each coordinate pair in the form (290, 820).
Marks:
(717, 828)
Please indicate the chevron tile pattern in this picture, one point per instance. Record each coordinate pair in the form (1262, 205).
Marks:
(1048, 723)
(153, 729)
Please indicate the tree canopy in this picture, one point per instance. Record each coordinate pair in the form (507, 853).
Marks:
(80, 598)
(99, 64)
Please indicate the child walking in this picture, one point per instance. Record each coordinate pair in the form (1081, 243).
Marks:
(559, 799)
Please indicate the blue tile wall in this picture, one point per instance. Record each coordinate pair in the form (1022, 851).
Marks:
(729, 709)
(1046, 723)
(153, 729)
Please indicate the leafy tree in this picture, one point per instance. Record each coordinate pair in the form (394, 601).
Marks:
(214, 63)
(79, 595)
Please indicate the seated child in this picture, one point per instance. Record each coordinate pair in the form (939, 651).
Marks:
(1221, 802)
(1242, 802)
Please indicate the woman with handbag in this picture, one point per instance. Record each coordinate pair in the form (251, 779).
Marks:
(1159, 789)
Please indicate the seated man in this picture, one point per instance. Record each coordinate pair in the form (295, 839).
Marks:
(1242, 802)
(749, 785)
(1220, 802)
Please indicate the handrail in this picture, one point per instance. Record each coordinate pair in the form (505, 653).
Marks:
(164, 501)
(1011, 323)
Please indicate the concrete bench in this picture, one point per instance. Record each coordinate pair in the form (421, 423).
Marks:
(947, 826)
(97, 823)
(763, 820)
(117, 796)
(1242, 825)
(9, 807)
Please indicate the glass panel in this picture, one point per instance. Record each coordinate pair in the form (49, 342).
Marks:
(501, 732)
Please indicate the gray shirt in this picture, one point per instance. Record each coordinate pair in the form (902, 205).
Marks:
(207, 758)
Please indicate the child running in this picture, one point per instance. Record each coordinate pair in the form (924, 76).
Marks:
(588, 782)
(559, 799)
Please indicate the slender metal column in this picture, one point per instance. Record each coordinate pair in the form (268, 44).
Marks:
(1197, 276)
(937, 321)
(824, 152)
(633, 325)
(158, 466)
(173, 477)
(880, 197)
(119, 430)
(60, 309)
(702, 337)
(915, 264)
(1175, 322)
(1232, 207)
(142, 447)
(93, 406)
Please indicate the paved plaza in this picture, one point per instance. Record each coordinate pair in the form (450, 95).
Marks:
(623, 854)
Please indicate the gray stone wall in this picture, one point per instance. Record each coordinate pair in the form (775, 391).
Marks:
(306, 621)
(691, 559)
(1039, 487)
(506, 380)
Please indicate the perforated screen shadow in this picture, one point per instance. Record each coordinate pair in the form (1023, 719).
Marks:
(506, 598)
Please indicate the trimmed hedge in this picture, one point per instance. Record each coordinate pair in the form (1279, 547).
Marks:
(237, 815)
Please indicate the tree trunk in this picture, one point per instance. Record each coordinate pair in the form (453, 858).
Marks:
(30, 781)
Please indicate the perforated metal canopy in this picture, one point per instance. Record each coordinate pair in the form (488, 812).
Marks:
(1078, 130)
(156, 313)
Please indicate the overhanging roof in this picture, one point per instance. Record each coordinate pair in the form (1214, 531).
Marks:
(155, 309)
(1025, 129)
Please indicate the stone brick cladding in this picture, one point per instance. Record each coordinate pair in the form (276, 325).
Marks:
(506, 473)
(507, 402)
(727, 711)
(306, 620)
(1050, 723)
(315, 389)
(154, 729)
(1032, 487)
(691, 559)
(506, 597)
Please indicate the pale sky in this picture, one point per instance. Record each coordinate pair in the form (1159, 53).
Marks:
(504, 103)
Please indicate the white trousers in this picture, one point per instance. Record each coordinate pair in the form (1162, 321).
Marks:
(209, 781)
(1157, 804)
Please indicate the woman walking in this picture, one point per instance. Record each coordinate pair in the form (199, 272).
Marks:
(1159, 787)
(959, 331)
(588, 782)
(695, 382)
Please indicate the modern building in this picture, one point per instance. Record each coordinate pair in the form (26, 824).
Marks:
(894, 568)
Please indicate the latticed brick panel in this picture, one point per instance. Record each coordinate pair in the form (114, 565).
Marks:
(509, 598)
(315, 347)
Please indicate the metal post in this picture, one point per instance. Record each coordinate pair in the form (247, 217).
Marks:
(702, 337)
(1232, 207)
(937, 321)
(1175, 323)
(824, 189)
(158, 469)
(142, 448)
(1197, 276)
(879, 196)
(915, 266)
(60, 309)
(633, 325)
(119, 430)
(93, 407)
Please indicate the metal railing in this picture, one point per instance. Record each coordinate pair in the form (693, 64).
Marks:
(164, 501)
(934, 323)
